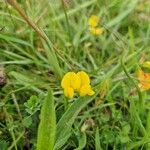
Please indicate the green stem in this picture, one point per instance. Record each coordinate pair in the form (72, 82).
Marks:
(67, 20)
(65, 103)
(141, 101)
(148, 129)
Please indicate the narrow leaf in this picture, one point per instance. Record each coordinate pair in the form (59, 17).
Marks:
(47, 126)
(65, 123)
(82, 141)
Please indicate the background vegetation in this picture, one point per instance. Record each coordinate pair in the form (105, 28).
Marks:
(117, 117)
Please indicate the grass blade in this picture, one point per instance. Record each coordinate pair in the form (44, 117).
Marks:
(97, 140)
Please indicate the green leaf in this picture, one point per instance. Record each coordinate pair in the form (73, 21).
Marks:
(82, 141)
(53, 61)
(27, 122)
(97, 140)
(32, 105)
(65, 123)
(124, 138)
(3, 145)
(47, 126)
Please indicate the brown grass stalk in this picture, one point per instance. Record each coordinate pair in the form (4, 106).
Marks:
(14, 4)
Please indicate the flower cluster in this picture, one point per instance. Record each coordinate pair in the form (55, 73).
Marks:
(79, 82)
(93, 25)
(144, 79)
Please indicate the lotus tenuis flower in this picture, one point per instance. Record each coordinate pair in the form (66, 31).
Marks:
(96, 31)
(144, 79)
(93, 25)
(93, 21)
(79, 82)
(146, 64)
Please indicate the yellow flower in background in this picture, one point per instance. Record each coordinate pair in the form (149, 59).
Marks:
(79, 82)
(144, 79)
(93, 21)
(96, 31)
(146, 64)
(93, 25)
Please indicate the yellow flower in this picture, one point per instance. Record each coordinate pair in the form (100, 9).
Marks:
(96, 31)
(79, 82)
(144, 79)
(93, 21)
(146, 64)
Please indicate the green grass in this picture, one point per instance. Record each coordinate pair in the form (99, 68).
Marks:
(117, 117)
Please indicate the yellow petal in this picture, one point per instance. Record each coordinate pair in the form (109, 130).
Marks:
(85, 80)
(75, 82)
(66, 81)
(91, 92)
(86, 90)
(96, 31)
(69, 92)
(83, 91)
(93, 21)
(72, 80)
